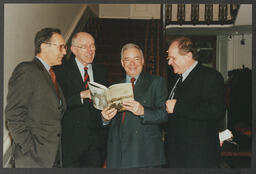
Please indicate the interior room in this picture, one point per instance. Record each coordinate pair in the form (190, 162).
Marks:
(222, 33)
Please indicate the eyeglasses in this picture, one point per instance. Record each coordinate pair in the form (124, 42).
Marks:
(92, 47)
(61, 47)
(169, 57)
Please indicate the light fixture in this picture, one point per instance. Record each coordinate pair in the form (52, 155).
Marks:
(242, 42)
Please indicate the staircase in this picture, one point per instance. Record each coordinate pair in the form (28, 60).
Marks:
(113, 34)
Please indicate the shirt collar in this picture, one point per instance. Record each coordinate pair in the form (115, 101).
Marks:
(128, 79)
(47, 67)
(81, 66)
(186, 73)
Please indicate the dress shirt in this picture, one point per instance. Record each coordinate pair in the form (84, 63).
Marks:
(186, 73)
(128, 79)
(81, 69)
(46, 66)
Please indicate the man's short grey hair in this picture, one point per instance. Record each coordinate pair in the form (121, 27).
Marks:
(131, 45)
(76, 37)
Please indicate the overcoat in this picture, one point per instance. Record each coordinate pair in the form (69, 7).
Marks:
(82, 129)
(193, 128)
(138, 142)
(33, 115)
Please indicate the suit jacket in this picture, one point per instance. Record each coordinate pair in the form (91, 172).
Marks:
(82, 125)
(194, 125)
(33, 115)
(138, 142)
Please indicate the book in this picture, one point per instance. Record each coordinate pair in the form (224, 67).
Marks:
(225, 135)
(114, 96)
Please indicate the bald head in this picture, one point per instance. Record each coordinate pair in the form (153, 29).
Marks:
(83, 47)
(180, 55)
(81, 35)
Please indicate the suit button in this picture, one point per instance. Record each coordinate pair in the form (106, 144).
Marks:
(58, 135)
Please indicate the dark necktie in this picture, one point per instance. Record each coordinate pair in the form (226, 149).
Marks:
(176, 85)
(132, 81)
(53, 77)
(86, 78)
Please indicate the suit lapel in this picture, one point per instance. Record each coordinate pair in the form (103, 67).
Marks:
(45, 74)
(49, 82)
(140, 86)
(95, 73)
(190, 76)
(75, 75)
(182, 89)
(139, 90)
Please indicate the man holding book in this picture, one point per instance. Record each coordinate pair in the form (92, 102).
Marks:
(84, 139)
(135, 139)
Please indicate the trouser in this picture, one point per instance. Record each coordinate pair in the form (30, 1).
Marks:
(88, 159)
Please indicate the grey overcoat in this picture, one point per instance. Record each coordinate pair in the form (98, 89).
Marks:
(33, 115)
(138, 142)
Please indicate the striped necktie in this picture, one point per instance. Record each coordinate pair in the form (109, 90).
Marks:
(86, 78)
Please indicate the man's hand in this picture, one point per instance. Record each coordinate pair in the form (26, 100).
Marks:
(135, 107)
(108, 114)
(85, 94)
(170, 104)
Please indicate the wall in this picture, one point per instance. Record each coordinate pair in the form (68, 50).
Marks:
(231, 54)
(21, 22)
(239, 54)
(130, 11)
(114, 10)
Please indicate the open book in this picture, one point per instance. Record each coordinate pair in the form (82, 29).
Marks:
(112, 96)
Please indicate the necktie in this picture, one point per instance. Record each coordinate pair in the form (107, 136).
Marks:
(176, 85)
(132, 81)
(86, 78)
(53, 77)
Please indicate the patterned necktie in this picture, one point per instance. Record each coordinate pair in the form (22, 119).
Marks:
(132, 81)
(53, 77)
(86, 78)
(176, 85)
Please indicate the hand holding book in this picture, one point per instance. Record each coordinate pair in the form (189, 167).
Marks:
(112, 97)
(108, 113)
(133, 106)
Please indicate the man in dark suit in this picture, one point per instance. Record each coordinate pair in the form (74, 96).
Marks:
(196, 105)
(34, 106)
(84, 139)
(135, 139)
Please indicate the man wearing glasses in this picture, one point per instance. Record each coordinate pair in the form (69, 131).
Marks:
(196, 106)
(35, 105)
(83, 139)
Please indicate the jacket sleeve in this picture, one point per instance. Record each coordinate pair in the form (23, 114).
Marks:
(156, 113)
(20, 91)
(210, 105)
